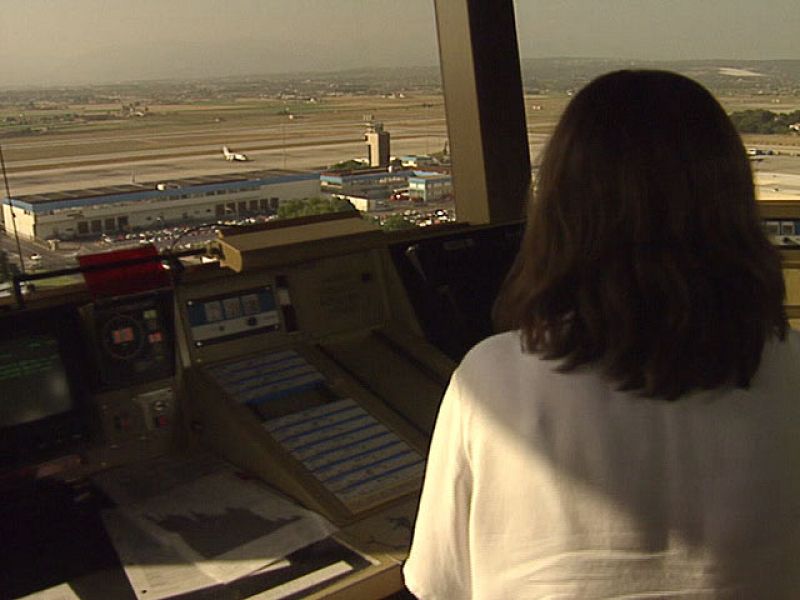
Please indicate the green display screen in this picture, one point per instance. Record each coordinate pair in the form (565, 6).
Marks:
(33, 380)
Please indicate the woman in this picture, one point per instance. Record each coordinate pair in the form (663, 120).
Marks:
(636, 433)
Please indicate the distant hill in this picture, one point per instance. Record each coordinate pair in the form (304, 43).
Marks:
(564, 74)
(721, 76)
(544, 75)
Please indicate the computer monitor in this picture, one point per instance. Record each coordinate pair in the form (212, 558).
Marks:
(42, 403)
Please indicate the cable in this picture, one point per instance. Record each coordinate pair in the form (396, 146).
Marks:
(11, 210)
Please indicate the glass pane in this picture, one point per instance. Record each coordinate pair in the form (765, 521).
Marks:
(733, 48)
(157, 123)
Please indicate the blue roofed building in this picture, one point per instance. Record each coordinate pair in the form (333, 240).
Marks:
(130, 207)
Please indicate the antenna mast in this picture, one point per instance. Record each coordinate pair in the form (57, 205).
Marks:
(11, 210)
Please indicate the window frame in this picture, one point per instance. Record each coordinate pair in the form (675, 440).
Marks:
(485, 109)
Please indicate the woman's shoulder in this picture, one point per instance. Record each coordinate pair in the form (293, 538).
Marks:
(502, 356)
(793, 339)
(781, 358)
(502, 346)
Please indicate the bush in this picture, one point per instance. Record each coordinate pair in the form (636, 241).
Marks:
(312, 206)
(764, 121)
(396, 223)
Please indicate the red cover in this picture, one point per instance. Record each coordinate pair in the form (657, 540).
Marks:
(130, 279)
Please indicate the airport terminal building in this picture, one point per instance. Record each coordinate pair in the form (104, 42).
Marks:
(377, 185)
(139, 206)
(430, 187)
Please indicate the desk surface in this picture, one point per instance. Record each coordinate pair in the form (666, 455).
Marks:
(53, 533)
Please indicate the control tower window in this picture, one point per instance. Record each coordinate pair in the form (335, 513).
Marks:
(732, 51)
(136, 113)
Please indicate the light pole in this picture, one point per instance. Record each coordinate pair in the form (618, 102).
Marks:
(283, 133)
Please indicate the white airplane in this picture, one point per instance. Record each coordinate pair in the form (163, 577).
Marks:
(233, 155)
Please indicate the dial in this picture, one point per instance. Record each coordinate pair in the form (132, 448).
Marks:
(123, 337)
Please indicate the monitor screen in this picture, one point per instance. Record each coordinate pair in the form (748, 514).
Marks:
(42, 384)
(33, 379)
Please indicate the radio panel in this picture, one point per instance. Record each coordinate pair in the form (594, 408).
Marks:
(273, 385)
(230, 316)
(258, 379)
(357, 458)
(781, 221)
(783, 233)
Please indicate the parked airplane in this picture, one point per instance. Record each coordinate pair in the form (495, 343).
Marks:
(233, 155)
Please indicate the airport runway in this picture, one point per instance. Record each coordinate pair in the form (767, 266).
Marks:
(777, 177)
(312, 152)
(64, 161)
(314, 157)
(777, 186)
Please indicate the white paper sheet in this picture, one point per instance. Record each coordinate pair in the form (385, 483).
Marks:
(137, 482)
(59, 592)
(207, 528)
(154, 570)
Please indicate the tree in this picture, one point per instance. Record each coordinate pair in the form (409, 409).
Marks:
(764, 121)
(347, 165)
(312, 206)
(396, 223)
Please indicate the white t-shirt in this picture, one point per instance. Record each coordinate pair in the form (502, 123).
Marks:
(553, 485)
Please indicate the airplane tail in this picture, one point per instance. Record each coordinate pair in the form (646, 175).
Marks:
(226, 152)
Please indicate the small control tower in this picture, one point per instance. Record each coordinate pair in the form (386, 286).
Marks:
(377, 144)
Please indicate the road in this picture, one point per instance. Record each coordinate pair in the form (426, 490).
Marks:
(50, 260)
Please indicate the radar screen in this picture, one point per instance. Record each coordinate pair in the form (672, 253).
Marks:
(134, 340)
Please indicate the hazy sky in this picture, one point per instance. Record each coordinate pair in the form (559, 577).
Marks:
(78, 41)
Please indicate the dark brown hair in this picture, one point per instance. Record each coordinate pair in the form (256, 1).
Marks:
(643, 252)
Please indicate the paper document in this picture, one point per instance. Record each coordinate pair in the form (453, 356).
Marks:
(137, 482)
(154, 570)
(210, 530)
(59, 592)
